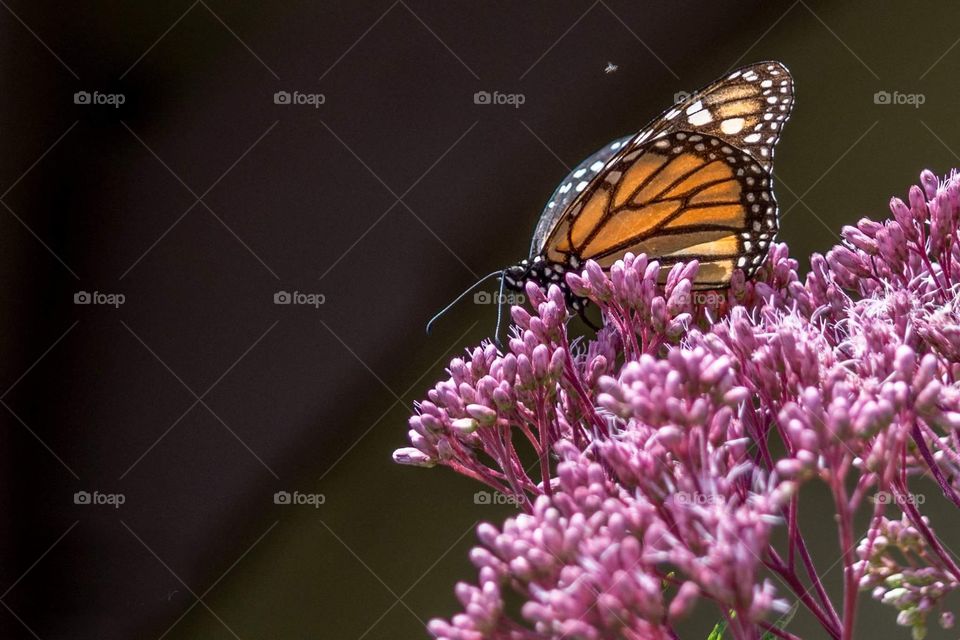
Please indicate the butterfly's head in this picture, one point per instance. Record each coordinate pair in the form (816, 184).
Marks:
(515, 277)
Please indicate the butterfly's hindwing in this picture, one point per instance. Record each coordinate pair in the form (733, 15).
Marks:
(682, 196)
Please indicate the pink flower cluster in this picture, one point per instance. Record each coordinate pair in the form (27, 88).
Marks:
(900, 570)
(654, 462)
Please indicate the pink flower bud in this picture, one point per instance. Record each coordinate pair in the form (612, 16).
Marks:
(465, 426)
(520, 316)
(413, 457)
(918, 205)
(684, 601)
(541, 361)
(930, 183)
(483, 415)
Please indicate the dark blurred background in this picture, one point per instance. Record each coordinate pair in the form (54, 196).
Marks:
(201, 196)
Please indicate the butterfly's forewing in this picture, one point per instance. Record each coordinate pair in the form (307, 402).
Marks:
(681, 196)
(575, 182)
(747, 108)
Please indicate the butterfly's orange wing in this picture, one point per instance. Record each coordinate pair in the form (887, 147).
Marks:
(679, 197)
(695, 183)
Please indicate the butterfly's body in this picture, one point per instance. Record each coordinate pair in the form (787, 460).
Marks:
(694, 184)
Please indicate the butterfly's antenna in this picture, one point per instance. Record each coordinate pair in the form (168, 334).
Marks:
(496, 332)
(461, 297)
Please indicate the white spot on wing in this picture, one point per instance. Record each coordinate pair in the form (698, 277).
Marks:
(732, 126)
(700, 118)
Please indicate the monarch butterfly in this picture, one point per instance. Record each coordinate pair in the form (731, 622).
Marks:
(695, 183)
